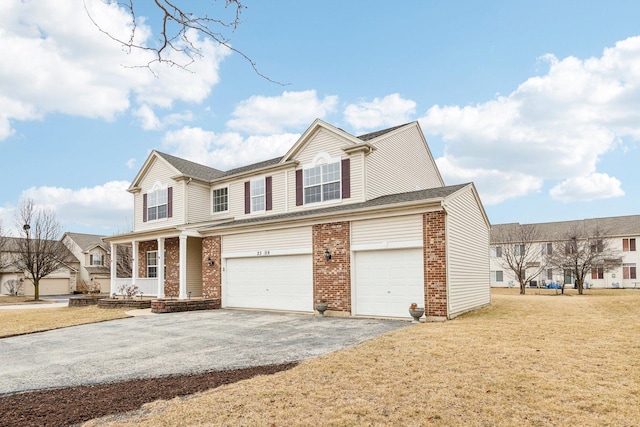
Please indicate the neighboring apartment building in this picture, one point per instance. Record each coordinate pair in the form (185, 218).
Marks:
(623, 234)
(364, 223)
(60, 282)
(94, 258)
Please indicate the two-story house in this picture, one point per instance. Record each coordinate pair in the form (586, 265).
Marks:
(620, 232)
(364, 223)
(93, 255)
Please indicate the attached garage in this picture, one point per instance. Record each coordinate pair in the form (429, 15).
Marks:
(270, 282)
(48, 286)
(388, 281)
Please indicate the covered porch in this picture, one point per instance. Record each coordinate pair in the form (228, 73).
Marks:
(168, 265)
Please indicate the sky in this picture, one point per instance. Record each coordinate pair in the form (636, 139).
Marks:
(536, 102)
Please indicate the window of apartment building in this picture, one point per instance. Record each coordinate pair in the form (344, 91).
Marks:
(571, 247)
(519, 250)
(546, 248)
(322, 183)
(496, 276)
(629, 271)
(597, 272)
(549, 274)
(220, 198)
(96, 259)
(597, 246)
(629, 245)
(495, 252)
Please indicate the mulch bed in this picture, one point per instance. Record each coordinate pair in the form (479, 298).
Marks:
(73, 405)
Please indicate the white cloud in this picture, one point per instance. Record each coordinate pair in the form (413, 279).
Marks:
(148, 120)
(586, 188)
(131, 163)
(556, 126)
(271, 115)
(225, 150)
(391, 110)
(54, 60)
(107, 206)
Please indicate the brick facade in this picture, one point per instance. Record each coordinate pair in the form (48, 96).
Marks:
(212, 275)
(172, 263)
(435, 264)
(332, 279)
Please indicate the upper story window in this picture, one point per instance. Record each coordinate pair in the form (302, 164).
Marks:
(597, 246)
(629, 245)
(547, 248)
(322, 183)
(496, 252)
(96, 259)
(157, 203)
(519, 250)
(258, 195)
(220, 198)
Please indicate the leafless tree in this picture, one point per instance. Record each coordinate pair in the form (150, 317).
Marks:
(5, 259)
(180, 28)
(124, 261)
(40, 252)
(520, 251)
(584, 250)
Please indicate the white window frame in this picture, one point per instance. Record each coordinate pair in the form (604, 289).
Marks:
(156, 192)
(93, 260)
(213, 200)
(495, 276)
(155, 276)
(257, 198)
(547, 248)
(519, 250)
(628, 267)
(320, 162)
(496, 252)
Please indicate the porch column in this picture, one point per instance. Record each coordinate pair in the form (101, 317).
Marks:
(134, 261)
(160, 267)
(183, 267)
(113, 268)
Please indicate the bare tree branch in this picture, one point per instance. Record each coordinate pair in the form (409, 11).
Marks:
(39, 252)
(520, 252)
(175, 36)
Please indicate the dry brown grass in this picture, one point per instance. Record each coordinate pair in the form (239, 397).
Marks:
(23, 321)
(525, 360)
(16, 300)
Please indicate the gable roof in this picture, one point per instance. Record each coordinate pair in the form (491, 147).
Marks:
(429, 195)
(86, 242)
(373, 135)
(191, 169)
(553, 231)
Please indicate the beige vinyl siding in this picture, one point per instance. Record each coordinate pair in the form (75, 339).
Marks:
(159, 171)
(321, 141)
(275, 241)
(467, 253)
(278, 196)
(357, 178)
(401, 163)
(407, 229)
(194, 266)
(199, 202)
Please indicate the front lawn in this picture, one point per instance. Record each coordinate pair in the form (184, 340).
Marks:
(536, 359)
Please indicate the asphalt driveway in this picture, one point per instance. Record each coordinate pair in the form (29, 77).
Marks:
(177, 343)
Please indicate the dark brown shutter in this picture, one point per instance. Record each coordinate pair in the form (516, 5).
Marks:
(346, 178)
(169, 202)
(247, 197)
(268, 192)
(144, 207)
(299, 187)
(90, 259)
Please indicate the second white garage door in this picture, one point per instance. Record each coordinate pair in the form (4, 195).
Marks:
(270, 282)
(388, 281)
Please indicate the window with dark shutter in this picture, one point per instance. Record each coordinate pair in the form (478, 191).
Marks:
(247, 197)
(268, 193)
(346, 178)
(299, 188)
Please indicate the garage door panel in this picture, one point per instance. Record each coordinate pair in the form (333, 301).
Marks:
(274, 283)
(48, 286)
(387, 281)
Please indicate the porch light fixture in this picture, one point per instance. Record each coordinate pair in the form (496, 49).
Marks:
(327, 254)
(210, 262)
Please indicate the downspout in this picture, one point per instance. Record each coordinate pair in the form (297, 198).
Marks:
(186, 201)
(446, 253)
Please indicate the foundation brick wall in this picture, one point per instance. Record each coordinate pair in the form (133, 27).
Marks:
(332, 279)
(435, 264)
(212, 275)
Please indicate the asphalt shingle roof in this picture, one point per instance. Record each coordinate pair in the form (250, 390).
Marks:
(373, 135)
(429, 194)
(88, 241)
(552, 231)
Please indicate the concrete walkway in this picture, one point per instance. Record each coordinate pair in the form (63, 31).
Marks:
(177, 343)
(58, 301)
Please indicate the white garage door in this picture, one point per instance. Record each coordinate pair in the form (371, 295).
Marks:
(270, 282)
(48, 287)
(388, 281)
